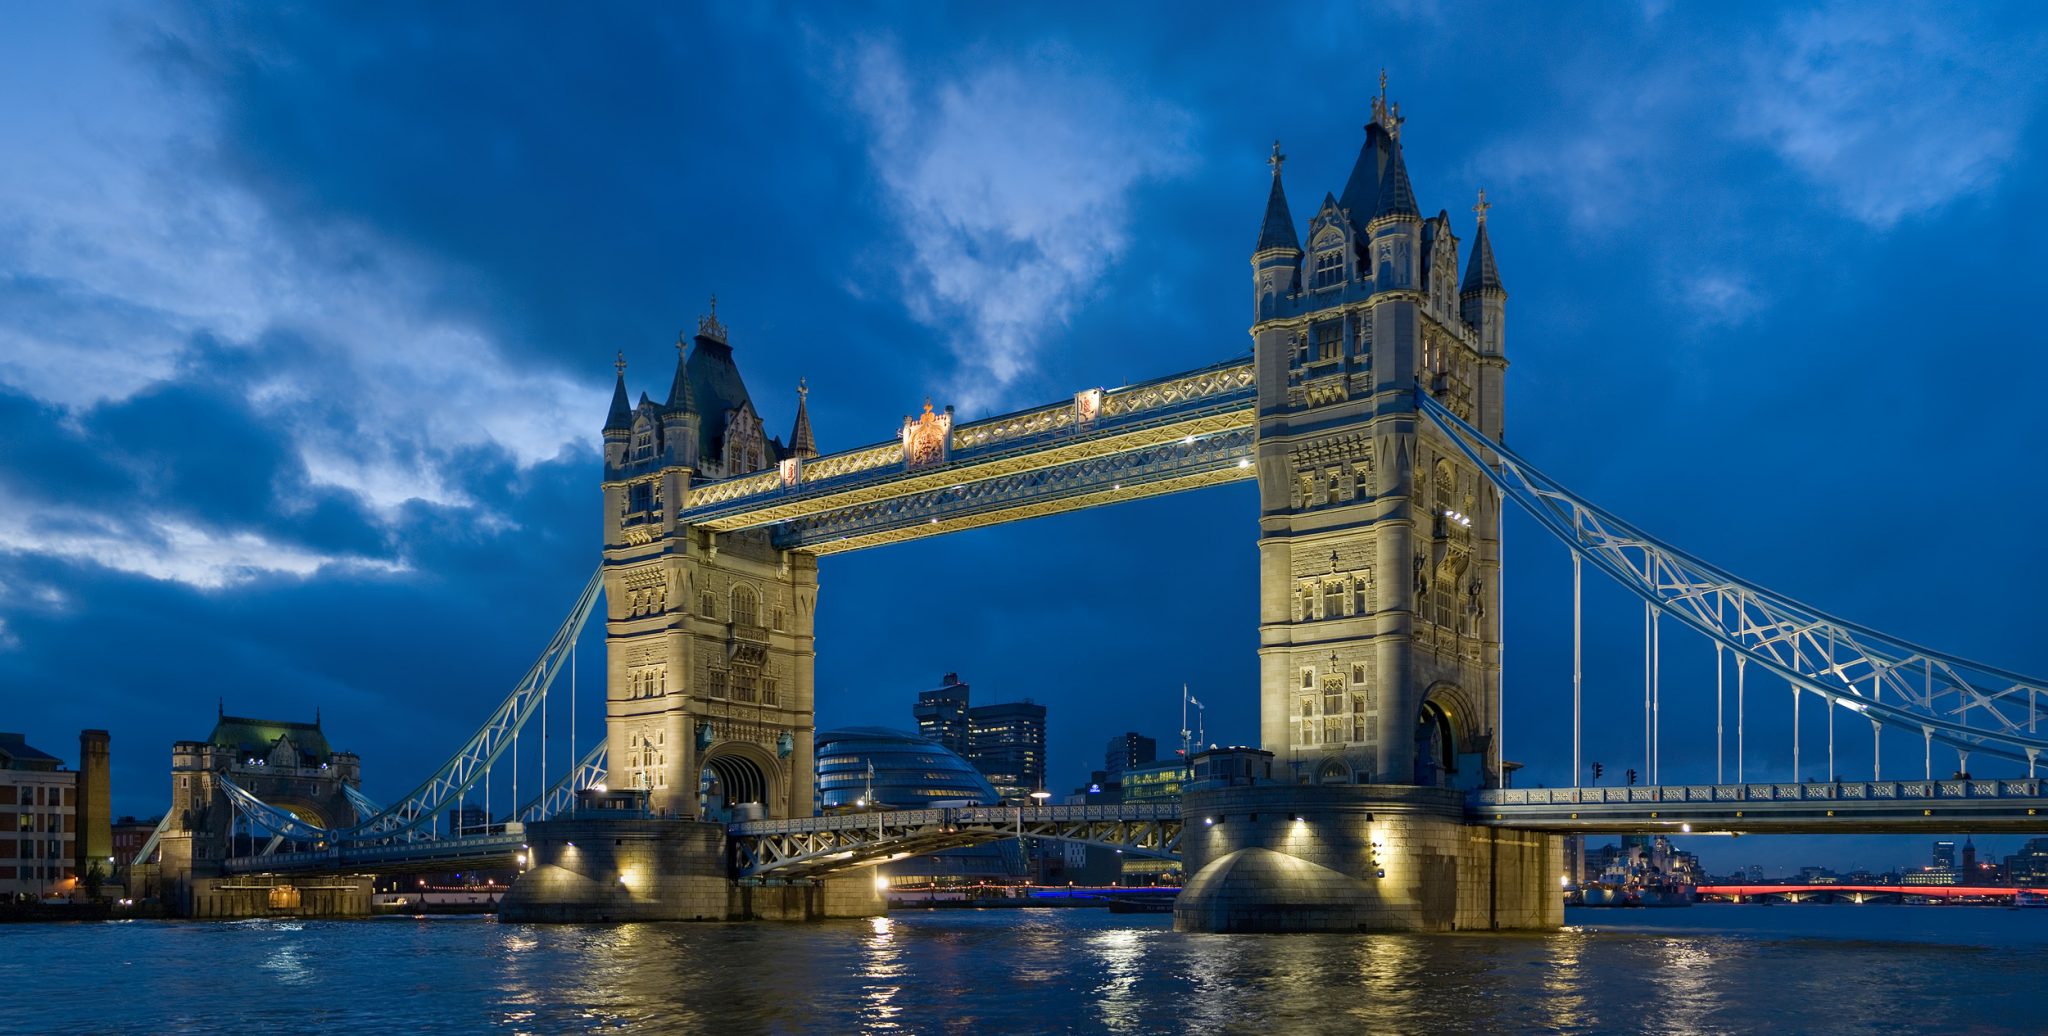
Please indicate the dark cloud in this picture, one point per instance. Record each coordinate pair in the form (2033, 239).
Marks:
(460, 202)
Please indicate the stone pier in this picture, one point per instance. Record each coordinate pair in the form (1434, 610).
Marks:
(602, 870)
(1272, 856)
(269, 895)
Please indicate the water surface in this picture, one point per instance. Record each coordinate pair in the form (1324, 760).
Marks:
(1809, 968)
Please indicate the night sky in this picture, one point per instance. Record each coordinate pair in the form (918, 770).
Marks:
(307, 320)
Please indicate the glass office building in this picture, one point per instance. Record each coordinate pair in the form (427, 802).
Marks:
(910, 772)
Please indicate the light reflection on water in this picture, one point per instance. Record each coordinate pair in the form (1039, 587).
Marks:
(1814, 969)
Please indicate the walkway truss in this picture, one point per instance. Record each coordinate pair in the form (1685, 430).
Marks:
(401, 823)
(1968, 706)
(816, 847)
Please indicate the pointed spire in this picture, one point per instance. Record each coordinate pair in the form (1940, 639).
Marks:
(679, 398)
(1481, 275)
(1397, 195)
(801, 442)
(621, 417)
(1277, 232)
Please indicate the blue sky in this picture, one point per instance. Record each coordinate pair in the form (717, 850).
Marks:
(309, 315)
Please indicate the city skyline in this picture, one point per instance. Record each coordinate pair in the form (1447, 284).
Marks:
(386, 366)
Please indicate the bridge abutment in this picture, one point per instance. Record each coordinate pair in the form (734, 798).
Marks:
(600, 870)
(1272, 857)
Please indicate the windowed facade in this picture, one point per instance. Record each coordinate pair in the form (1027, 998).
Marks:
(1329, 268)
(1327, 340)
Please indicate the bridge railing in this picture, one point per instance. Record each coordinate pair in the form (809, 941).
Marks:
(978, 815)
(1125, 409)
(1831, 791)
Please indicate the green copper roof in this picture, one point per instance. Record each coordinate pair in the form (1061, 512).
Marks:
(256, 737)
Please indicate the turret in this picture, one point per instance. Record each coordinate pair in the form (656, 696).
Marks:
(801, 442)
(1276, 260)
(679, 417)
(1483, 303)
(618, 425)
(1395, 229)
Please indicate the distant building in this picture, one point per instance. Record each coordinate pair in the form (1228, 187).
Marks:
(1126, 751)
(909, 772)
(1945, 855)
(54, 826)
(863, 767)
(1970, 857)
(2028, 868)
(1006, 743)
(941, 714)
(129, 836)
(1155, 782)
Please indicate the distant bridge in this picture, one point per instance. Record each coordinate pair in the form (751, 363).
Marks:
(1858, 893)
(1849, 807)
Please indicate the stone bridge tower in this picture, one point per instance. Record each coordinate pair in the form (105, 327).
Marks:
(708, 636)
(1379, 543)
(285, 763)
(1379, 624)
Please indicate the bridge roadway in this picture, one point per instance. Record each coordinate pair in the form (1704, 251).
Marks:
(1844, 807)
(805, 847)
(813, 846)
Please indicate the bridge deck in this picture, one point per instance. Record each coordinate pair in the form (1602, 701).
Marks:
(1175, 433)
(1861, 807)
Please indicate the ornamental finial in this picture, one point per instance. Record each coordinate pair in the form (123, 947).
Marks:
(1387, 115)
(1483, 205)
(803, 389)
(708, 326)
(620, 363)
(1277, 159)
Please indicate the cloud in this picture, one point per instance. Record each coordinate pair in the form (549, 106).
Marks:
(1011, 185)
(1720, 299)
(1890, 113)
(133, 259)
(170, 551)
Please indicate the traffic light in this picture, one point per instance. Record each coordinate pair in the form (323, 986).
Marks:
(1597, 771)
(1631, 776)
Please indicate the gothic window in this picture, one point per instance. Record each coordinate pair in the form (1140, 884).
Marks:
(1333, 599)
(769, 691)
(1329, 267)
(1329, 340)
(707, 603)
(781, 619)
(1306, 489)
(716, 685)
(643, 440)
(1358, 674)
(746, 684)
(746, 608)
(1340, 484)
(1358, 591)
(640, 497)
(1308, 682)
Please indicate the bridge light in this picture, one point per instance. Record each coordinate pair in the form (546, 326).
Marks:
(1210, 821)
(881, 883)
(1243, 462)
(1687, 828)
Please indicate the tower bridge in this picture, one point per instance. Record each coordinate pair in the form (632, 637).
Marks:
(1370, 413)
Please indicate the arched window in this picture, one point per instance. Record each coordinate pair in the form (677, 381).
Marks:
(746, 607)
(1333, 598)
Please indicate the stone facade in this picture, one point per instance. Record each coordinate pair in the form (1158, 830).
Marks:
(264, 895)
(1379, 545)
(1276, 856)
(708, 636)
(582, 870)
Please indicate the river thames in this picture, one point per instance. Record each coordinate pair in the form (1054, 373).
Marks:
(1818, 969)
